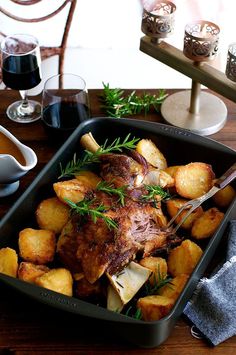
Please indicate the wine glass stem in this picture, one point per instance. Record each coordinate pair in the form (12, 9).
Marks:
(25, 108)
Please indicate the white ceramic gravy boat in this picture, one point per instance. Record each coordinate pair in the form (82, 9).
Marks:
(11, 170)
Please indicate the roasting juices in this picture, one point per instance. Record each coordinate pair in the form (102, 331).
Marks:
(21, 72)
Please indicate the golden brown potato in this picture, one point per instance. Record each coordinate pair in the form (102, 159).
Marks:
(157, 265)
(206, 225)
(52, 214)
(8, 261)
(184, 258)
(155, 307)
(73, 190)
(171, 170)
(29, 271)
(166, 180)
(151, 153)
(58, 280)
(37, 246)
(173, 206)
(194, 180)
(175, 287)
(88, 178)
(224, 197)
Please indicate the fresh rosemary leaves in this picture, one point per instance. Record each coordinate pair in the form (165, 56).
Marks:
(137, 313)
(84, 208)
(76, 165)
(153, 191)
(116, 105)
(110, 189)
(159, 281)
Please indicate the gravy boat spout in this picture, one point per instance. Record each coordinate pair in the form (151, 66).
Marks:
(16, 159)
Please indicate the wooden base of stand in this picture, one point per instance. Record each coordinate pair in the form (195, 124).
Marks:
(210, 119)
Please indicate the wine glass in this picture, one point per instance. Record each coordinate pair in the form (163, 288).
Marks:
(64, 105)
(21, 71)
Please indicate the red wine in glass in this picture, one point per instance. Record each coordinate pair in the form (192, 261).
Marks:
(64, 109)
(21, 71)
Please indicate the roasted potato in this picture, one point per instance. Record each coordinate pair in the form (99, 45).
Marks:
(58, 280)
(8, 262)
(88, 178)
(194, 180)
(173, 206)
(151, 153)
(224, 197)
(37, 246)
(155, 307)
(73, 190)
(157, 265)
(184, 258)
(206, 225)
(175, 287)
(171, 170)
(29, 271)
(52, 214)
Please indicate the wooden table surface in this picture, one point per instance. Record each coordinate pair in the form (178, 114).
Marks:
(27, 327)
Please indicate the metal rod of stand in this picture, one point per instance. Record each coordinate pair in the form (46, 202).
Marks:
(195, 98)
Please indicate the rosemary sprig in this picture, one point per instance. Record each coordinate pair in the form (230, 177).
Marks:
(153, 191)
(159, 281)
(116, 105)
(137, 314)
(84, 208)
(76, 165)
(109, 188)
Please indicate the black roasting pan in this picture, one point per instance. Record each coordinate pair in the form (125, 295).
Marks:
(179, 147)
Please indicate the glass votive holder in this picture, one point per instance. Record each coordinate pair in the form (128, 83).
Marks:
(158, 19)
(231, 62)
(201, 40)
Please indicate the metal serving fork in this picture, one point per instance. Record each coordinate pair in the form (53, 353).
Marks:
(191, 205)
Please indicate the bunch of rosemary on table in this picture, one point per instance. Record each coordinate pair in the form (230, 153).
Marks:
(115, 104)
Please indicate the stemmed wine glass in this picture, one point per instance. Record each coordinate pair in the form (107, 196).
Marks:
(20, 58)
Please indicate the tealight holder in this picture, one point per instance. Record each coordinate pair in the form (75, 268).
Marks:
(196, 110)
(231, 62)
(158, 20)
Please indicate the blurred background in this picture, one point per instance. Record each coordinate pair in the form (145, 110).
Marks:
(103, 39)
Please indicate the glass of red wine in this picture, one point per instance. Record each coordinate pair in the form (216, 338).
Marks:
(20, 58)
(64, 105)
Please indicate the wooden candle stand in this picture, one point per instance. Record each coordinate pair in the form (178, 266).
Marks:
(180, 109)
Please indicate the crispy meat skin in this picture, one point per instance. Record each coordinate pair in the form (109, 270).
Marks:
(99, 249)
(122, 170)
(103, 250)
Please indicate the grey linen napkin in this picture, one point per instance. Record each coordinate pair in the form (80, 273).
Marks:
(212, 308)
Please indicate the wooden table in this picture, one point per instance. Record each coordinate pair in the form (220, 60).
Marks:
(27, 327)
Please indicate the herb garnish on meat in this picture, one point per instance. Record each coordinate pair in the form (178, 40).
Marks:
(84, 208)
(110, 189)
(153, 191)
(76, 165)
